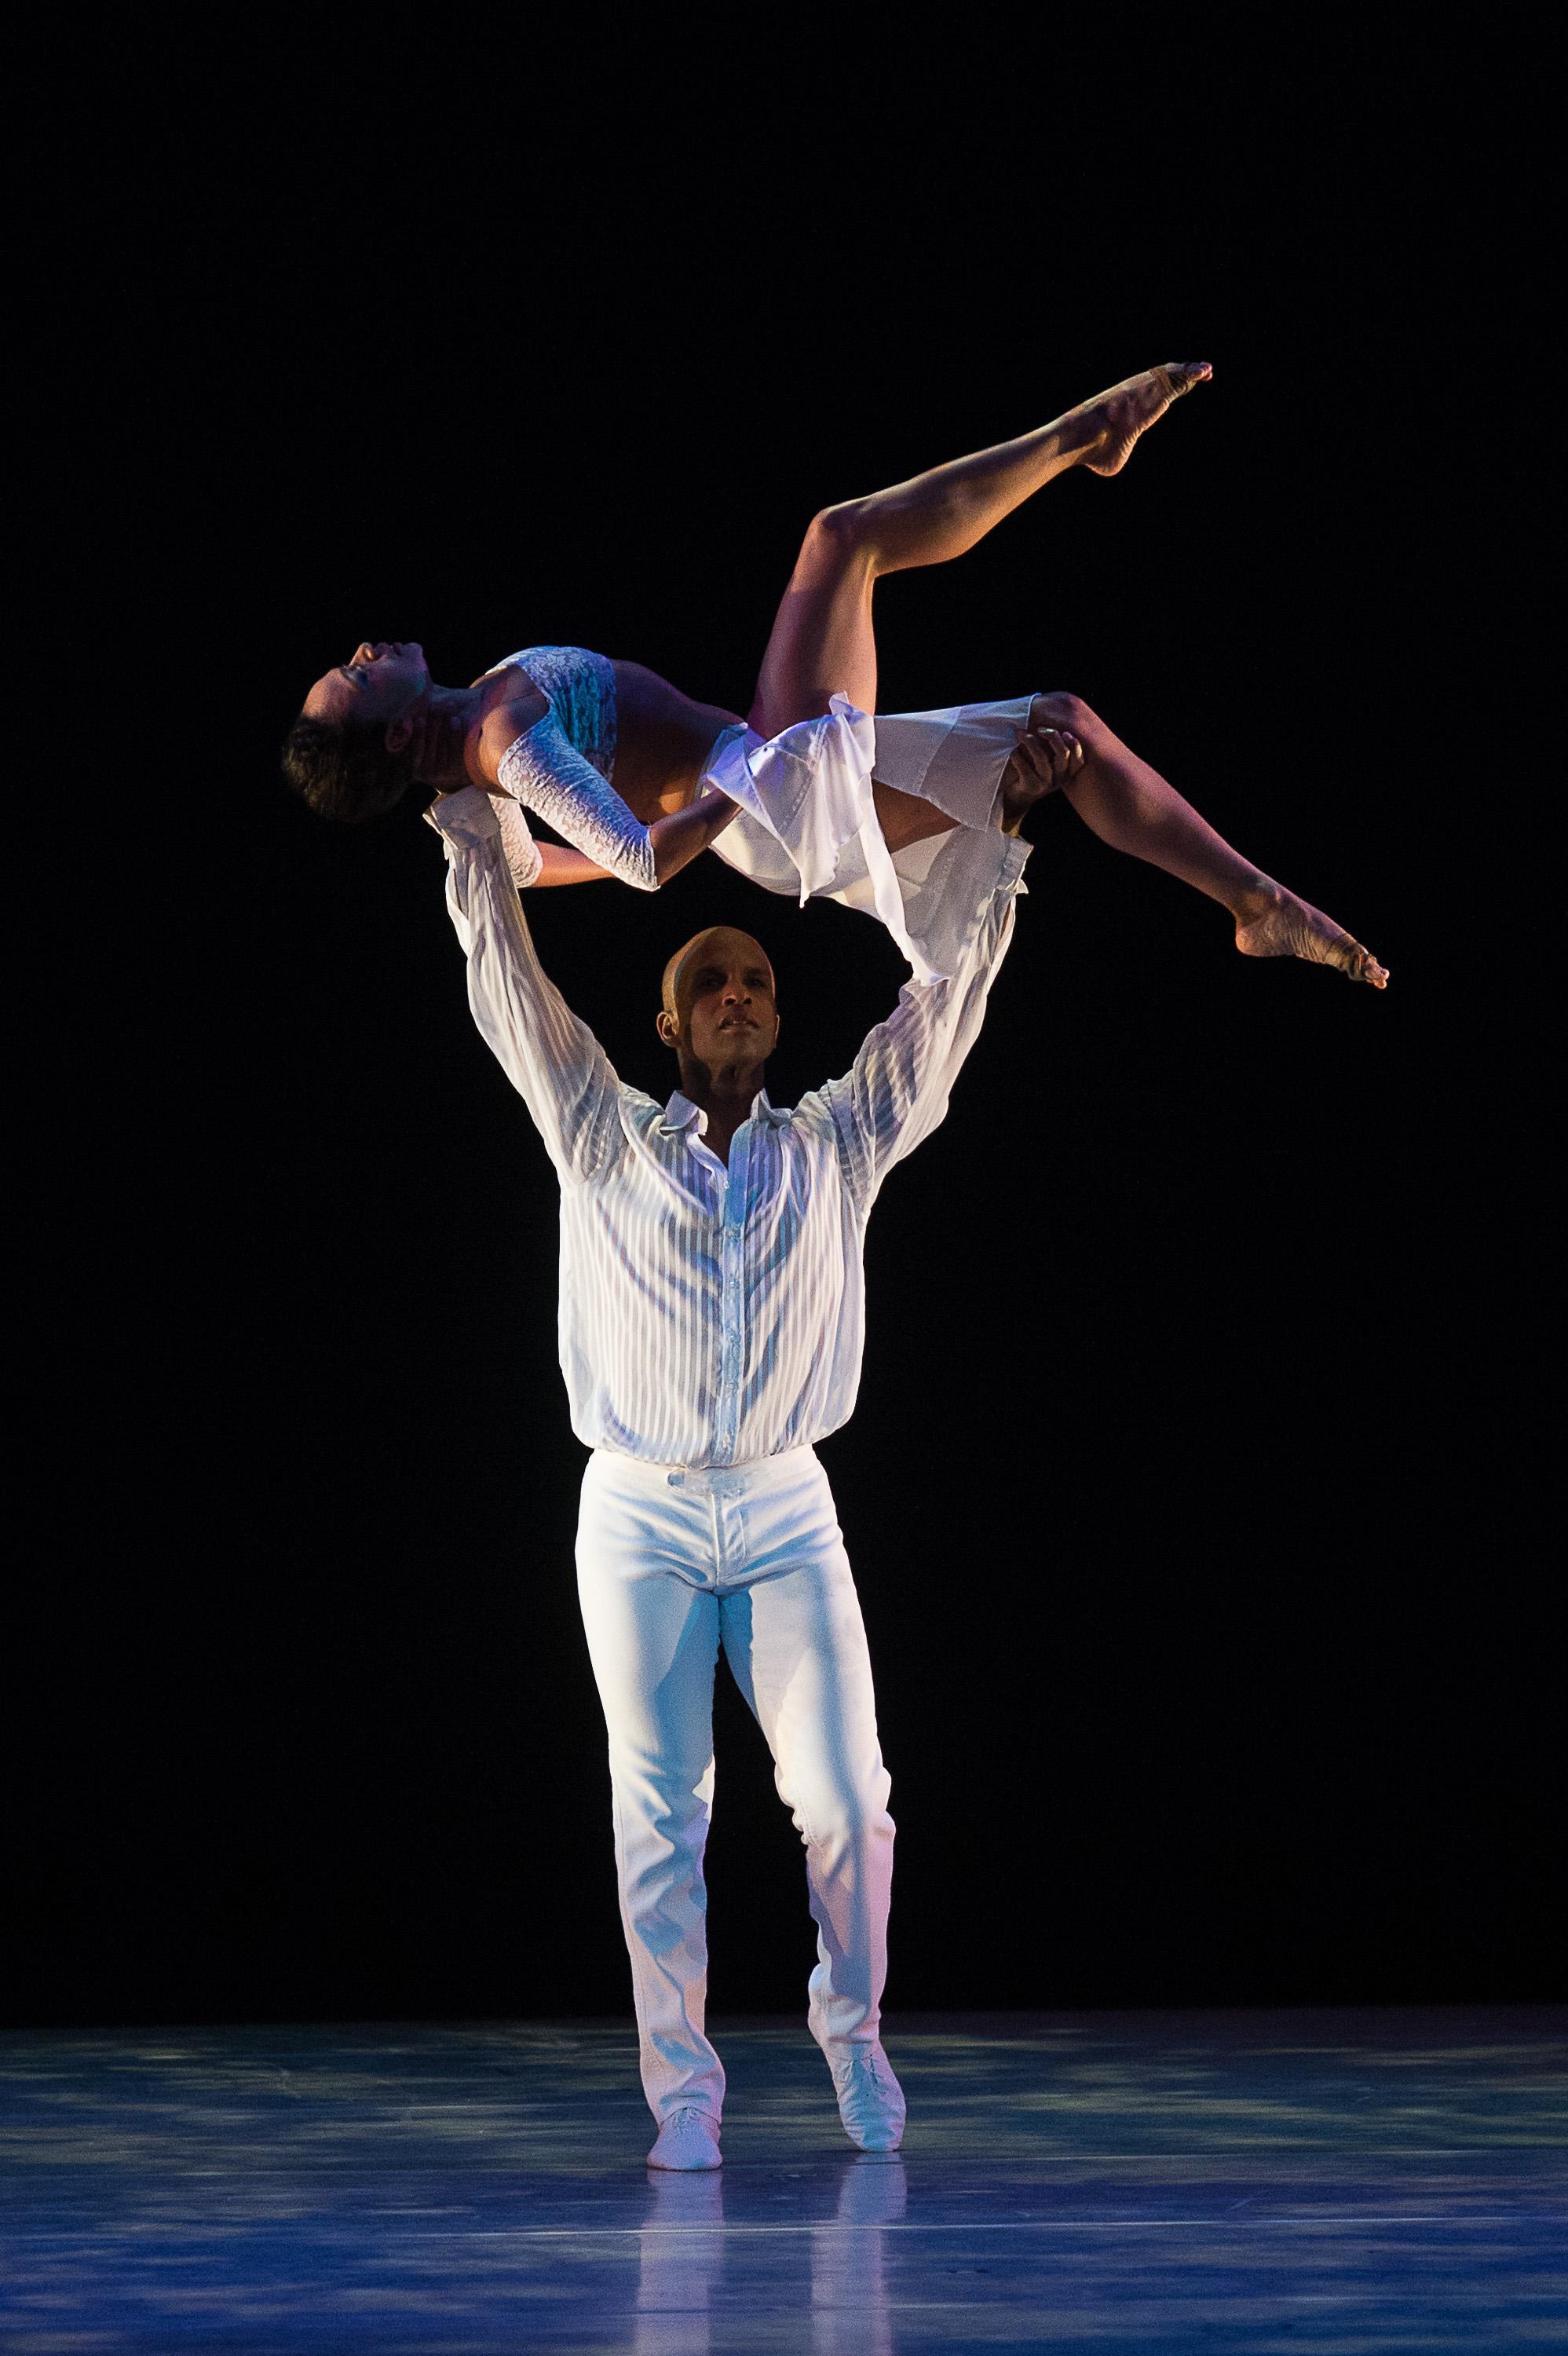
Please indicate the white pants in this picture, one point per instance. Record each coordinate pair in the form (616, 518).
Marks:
(672, 1563)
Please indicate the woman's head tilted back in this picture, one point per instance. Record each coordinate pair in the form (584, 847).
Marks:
(351, 752)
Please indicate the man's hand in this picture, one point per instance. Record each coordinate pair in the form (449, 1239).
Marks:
(1046, 758)
(451, 752)
(440, 760)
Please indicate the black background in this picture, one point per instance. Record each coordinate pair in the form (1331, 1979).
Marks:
(1189, 1488)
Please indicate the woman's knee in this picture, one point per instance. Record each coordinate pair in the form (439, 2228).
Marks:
(1063, 710)
(839, 538)
(838, 526)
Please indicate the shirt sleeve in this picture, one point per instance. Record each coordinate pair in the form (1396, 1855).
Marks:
(896, 1091)
(546, 772)
(552, 1058)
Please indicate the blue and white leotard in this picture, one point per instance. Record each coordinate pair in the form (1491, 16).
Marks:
(806, 822)
(560, 768)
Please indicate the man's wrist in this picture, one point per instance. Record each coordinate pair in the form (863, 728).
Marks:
(466, 814)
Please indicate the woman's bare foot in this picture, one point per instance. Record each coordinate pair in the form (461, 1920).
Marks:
(1288, 928)
(1131, 408)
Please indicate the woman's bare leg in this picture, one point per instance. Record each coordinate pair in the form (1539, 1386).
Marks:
(1131, 807)
(823, 643)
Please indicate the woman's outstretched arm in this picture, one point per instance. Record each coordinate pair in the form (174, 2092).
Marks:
(529, 759)
(560, 864)
(659, 850)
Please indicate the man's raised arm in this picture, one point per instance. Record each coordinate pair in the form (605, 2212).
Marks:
(552, 1058)
(896, 1090)
(895, 1093)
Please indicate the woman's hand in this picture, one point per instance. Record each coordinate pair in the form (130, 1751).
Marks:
(1046, 758)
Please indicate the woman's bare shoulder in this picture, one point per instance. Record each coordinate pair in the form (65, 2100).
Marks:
(503, 674)
(515, 706)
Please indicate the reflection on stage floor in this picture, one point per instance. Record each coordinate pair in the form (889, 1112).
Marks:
(1214, 2182)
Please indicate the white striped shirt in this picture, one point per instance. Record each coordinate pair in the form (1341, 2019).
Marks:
(712, 1314)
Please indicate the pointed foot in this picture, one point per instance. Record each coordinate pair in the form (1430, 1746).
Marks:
(1291, 927)
(1129, 409)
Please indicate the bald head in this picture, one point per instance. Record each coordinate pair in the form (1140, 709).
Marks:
(721, 939)
(719, 1006)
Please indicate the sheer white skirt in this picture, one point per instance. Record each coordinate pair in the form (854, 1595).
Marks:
(808, 822)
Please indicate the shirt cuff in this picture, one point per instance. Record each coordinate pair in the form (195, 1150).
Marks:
(466, 816)
(1014, 863)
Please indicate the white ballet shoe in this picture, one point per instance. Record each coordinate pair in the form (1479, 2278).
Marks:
(688, 2138)
(870, 2100)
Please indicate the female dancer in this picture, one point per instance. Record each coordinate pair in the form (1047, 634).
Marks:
(810, 792)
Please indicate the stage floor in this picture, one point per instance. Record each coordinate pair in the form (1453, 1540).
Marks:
(1331, 2181)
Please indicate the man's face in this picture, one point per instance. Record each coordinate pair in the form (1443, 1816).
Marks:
(381, 681)
(720, 1002)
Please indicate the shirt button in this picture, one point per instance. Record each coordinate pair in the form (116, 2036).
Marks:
(675, 1480)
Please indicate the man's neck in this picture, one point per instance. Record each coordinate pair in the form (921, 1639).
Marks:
(725, 1093)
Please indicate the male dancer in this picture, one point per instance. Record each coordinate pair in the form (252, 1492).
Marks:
(711, 1330)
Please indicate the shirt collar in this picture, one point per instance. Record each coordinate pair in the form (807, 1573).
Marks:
(681, 1113)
